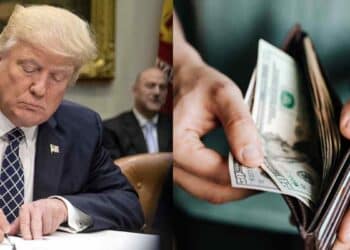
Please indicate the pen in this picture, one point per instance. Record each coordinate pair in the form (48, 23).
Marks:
(12, 244)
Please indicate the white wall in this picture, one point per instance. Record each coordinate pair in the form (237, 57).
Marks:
(137, 29)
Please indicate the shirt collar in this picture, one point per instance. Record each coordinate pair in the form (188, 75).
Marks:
(143, 120)
(6, 125)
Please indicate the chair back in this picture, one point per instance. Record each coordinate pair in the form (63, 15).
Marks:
(146, 172)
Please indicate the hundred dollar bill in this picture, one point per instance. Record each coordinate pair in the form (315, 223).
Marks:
(280, 105)
(257, 179)
(250, 178)
(295, 178)
(283, 117)
(289, 168)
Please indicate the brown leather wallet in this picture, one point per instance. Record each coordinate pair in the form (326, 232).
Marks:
(318, 227)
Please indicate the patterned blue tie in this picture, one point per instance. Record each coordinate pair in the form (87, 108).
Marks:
(12, 176)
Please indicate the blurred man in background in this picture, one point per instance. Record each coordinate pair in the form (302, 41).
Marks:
(143, 129)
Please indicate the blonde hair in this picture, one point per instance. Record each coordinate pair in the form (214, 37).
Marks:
(51, 28)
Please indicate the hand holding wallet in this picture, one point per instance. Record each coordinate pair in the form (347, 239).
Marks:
(306, 158)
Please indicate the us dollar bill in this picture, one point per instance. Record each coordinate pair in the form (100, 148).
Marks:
(257, 179)
(283, 118)
(250, 178)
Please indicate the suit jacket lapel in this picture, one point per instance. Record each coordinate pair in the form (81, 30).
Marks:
(48, 160)
(135, 132)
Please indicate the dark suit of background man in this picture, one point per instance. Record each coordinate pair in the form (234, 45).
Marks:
(54, 170)
(143, 129)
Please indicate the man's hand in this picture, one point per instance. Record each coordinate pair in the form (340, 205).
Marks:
(343, 239)
(38, 218)
(4, 225)
(207, 96)
(203, 98)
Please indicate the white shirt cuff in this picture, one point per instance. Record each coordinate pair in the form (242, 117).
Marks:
(77, 220)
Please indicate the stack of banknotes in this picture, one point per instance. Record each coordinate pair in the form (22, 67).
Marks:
(300, 139)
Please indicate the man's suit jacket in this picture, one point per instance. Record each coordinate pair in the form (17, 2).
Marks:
(123, 135)
(82, 171)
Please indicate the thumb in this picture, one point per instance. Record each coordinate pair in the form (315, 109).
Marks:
(14, 227)
(240, 129)
(345, 120)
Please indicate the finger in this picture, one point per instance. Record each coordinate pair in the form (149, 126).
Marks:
(4, 224)
(207, 190)
(14, 227)
(47, 225)
(55, 224)
(192, 155)
(344, 229)
(239, 127)
(24, 222)
(345, 120)
(36, 222)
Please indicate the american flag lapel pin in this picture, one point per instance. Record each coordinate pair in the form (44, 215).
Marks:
(54, 149)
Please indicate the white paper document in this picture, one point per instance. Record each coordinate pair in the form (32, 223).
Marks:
(106, 240)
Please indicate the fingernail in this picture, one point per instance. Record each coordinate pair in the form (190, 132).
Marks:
(251, 154)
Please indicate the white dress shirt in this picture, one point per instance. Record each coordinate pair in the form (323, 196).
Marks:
(143, 121)
(77, 220)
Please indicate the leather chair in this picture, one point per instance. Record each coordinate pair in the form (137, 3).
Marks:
(146, 172)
